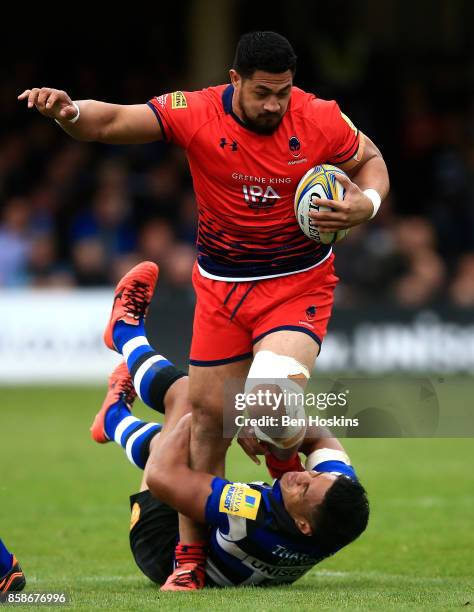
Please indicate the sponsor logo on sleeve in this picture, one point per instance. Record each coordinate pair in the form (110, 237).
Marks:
(178, 100)
(240, 500)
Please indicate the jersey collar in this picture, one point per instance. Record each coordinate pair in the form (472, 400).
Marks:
(227, 97)
(277, 494)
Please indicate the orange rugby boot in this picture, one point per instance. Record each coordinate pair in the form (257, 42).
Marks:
(187, 577)
(132, 297)
(120, 388)
(14, 580)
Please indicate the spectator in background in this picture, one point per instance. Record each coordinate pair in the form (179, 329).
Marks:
(107, 221)
(64, 167)
(155, 239)
(13, 171)
(187, 223)
(163, 189)
(177, 265)
(45, 204)
(15, 242)
(451, 193)
(423, 281)
(90, 266)
(461, 290)
(44, 269)
(367, 261)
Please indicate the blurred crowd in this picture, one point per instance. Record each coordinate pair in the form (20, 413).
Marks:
(80, 214)
(91, 216)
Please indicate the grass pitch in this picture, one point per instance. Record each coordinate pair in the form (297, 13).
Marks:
(64, 512)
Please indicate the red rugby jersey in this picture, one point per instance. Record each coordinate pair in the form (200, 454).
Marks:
(245, 182)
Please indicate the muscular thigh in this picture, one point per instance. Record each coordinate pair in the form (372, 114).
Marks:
(207, 384)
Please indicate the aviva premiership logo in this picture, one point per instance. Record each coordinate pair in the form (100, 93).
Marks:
(240, 500)
(178, 100)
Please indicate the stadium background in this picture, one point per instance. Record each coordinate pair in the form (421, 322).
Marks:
(74, 216)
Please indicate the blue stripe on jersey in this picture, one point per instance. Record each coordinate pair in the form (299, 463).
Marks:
(252, 269)
(230, 566)
(336, 466)
(160, 121)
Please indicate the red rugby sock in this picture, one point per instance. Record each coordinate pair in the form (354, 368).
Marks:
(191, 553)
(278, 467)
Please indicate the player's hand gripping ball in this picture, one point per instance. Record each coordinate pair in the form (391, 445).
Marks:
(319, 182)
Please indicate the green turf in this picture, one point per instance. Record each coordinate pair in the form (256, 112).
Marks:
(64, 512)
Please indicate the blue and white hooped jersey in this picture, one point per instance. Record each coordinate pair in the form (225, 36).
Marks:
(253, 538)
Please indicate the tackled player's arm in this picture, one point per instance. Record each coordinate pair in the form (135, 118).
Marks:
(170, 478)
(317, 438)
(324, 453)
(98, 121)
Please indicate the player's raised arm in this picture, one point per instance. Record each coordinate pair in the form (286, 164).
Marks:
(170, 478)
(92, 120)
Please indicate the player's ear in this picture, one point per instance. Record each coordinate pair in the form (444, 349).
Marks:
(304, 526)
(235, 77)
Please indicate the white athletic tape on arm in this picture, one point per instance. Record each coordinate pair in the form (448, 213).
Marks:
(325, 454)
(74, 119)
(375, 198)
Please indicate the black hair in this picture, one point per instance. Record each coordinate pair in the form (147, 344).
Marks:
(267, 51)
(342, 515)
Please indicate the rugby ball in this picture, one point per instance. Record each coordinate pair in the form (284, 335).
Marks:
(319, 182)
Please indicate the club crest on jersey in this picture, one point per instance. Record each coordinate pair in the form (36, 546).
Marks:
(240, 500)
(294, 145)
(310, 313)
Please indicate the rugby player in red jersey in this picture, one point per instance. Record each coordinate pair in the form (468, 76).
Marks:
(256, 533)
(264, 290)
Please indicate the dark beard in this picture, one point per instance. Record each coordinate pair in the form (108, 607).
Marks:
(260, 128)
(255, 126)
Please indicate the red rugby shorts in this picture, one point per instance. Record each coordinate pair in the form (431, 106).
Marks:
(230, 317)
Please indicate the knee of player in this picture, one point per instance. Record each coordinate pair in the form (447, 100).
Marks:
(268, 365)
(154, 479)
(207, 427)
(275, 390)
(177, 396)
(207, 412)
